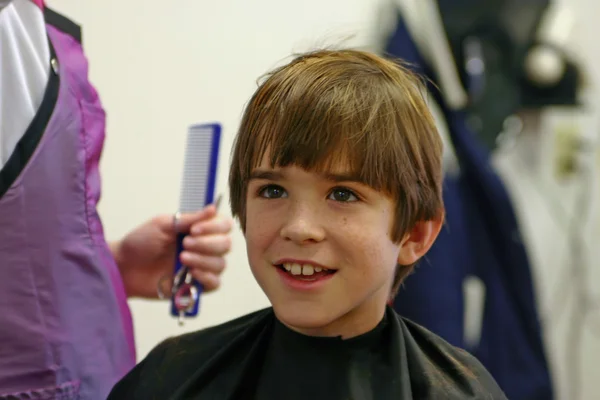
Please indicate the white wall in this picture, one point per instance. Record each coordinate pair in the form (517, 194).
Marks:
(160, 66)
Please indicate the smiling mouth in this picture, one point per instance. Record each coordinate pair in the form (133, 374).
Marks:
(305, 271)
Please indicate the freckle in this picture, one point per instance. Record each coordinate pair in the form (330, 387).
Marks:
(345, 220)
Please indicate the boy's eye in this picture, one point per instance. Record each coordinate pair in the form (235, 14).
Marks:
(272, 192)
(343, 195)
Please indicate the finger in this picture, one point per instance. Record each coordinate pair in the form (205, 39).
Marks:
(209, 281)
(212, 226)
(185, 221)
(203, 263)
(209, 245)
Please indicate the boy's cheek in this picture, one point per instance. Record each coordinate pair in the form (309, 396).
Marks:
(256, 244)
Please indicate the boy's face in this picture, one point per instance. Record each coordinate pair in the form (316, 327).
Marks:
(320, 248)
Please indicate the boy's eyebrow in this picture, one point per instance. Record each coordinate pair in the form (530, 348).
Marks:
(342, 177)
(266, 175)
(277, 176)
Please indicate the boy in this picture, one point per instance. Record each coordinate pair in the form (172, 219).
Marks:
(336, 180)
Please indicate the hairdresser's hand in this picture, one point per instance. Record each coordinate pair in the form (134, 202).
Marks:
(146, 254)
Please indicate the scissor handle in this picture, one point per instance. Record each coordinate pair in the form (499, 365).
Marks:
(181, 271)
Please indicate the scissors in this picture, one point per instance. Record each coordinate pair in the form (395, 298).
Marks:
(181, 286)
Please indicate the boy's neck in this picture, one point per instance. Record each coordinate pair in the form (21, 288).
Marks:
(353, 324)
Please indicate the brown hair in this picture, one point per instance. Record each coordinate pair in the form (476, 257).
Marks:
(350, 106)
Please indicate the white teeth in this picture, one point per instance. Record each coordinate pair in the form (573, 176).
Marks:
(307, 269)
(296, 269)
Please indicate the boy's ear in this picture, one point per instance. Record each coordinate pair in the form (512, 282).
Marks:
(419, 240)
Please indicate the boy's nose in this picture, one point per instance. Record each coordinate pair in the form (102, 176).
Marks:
(302, 226)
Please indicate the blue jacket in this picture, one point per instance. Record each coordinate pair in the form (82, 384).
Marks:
(481, 238)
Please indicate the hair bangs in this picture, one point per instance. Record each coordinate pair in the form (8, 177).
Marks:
(330, 129)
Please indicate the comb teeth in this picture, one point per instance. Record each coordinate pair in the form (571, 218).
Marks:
(197, 189)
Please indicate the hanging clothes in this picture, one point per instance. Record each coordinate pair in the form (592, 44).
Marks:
(65, 327)
(481, 238)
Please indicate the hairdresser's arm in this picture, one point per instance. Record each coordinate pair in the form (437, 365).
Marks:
(148, 252)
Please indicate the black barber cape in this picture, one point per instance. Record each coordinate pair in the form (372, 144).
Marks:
(257, 357)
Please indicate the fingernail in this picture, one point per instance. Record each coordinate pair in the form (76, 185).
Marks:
(196, 230)
(188, 241)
